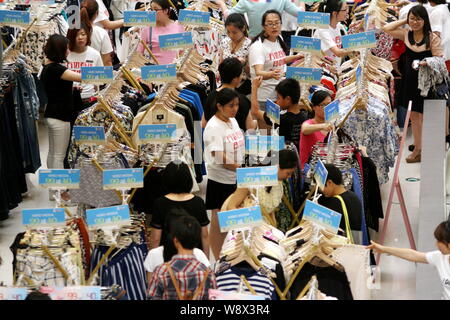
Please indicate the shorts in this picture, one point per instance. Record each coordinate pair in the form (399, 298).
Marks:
(217, 193)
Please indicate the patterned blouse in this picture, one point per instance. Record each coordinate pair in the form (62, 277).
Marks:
(241, 53)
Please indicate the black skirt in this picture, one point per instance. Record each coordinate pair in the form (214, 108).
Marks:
(217, 193)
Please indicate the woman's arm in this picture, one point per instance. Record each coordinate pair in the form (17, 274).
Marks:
(407, 254)
(308, 128)
(204, 122)
(70, 75)
(340, 52)
(257, 114)
(107, 60)
(395, 29)
(155, 238)
(274, 74)
(111, 25)
(205, 241)
(249, 122)
(294, 57)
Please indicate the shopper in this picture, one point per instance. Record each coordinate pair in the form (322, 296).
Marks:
(268, 56)
(82, 55)
(224, 153)
(440, 259)
(183, 277)
(177, 182)
(288, 96)
(331, 42)
(314, 130)
(236, 45)
(100, 40)
(346, 202)
(161, 254)
(420, 43)
(165, 24)
(255, 11)
(58, 81)
(230, 71)
(440, 24)
(102, 19)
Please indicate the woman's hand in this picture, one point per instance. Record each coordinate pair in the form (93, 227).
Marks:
(376, 247)
(327, 126)
(423, 63)
(276, 74)
(256, 82)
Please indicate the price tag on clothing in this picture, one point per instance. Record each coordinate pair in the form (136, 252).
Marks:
(73, 293)
(43, 217)
(14, 18)
(331, 111)
(320, 174)
(123, 179)
(257, 177)
(109, 216)
(176, 41)
(316, 20)
(273, 111)
(322, 216)
(157, 133)
(226, 295)
(7, 293)
(240, 218)
(139, 18)
(307, 75)
(59, 178)
(159, 73)
(97, 75)
(305, 44)
(359, 40)
(193, 18)
(89, 135)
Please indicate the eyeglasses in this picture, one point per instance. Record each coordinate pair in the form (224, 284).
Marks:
(413, 19)
(272, 25)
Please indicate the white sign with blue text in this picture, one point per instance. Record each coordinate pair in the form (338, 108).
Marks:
(89, 135)
(123, 179)
(139, 18)
(240, 218)
(320, 174)
(316, 20)
(322, 216)
(359, 40)
(157, 133)
(110, 216)
(43, 217)
(14, 18)
(97, 75)
(59, 178)
(331, 111)
(273, 111)
(257, 177)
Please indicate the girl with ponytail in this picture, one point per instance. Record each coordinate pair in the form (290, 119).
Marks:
(268, 56)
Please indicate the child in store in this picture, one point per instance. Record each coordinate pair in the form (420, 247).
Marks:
(439, 258)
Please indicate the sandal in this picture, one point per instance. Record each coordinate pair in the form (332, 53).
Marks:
(414, 159)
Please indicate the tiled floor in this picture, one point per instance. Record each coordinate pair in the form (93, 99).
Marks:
(397, 276)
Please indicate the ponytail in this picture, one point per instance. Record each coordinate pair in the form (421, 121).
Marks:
(330, 6)
(91, 8)
(85, 20)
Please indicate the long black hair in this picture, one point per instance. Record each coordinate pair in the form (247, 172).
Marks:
(165, 5)
(262, 35)
(237, 20)
(224, 96)
(331, 6)
(421, 12)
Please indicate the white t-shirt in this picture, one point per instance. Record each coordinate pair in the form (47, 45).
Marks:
(89, 58)
(226, 137)
(103, 13)
(155, 258)
(271, 56)
(100, 40)
(404, 11)
(330, 38)
(440, 22)
(442, 264)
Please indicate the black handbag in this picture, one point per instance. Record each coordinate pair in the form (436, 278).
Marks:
(440, 92)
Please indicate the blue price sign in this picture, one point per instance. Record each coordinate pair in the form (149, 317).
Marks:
(322, 216)
(43, 217)
(359, 40)
(139, 18)
(320, 174)
(74, 293)
(331, 111)
(97, 75)
(193, 18)
(14, 18)
(7, 293)
(89, 135)
(157, 133)
(159, 73)
(317, 20)
(305, 44)
(257, 177)
(240, 218)
(123, 179)
(273, 111)
(307, 75)
(59, 178)
(110, 216)
(176, 41)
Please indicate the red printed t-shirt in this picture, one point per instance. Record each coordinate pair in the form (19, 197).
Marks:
(308, 141)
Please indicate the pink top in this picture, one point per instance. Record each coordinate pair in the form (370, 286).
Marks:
(307, 142)
(164, 57)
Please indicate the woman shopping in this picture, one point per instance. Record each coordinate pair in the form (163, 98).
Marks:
(268, 57)
(224, 153)
(165, 24)
(420, 43)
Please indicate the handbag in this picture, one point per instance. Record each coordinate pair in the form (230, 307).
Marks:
(440, 92)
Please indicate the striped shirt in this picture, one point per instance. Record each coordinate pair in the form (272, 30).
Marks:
(189, 273)
(230, 279)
